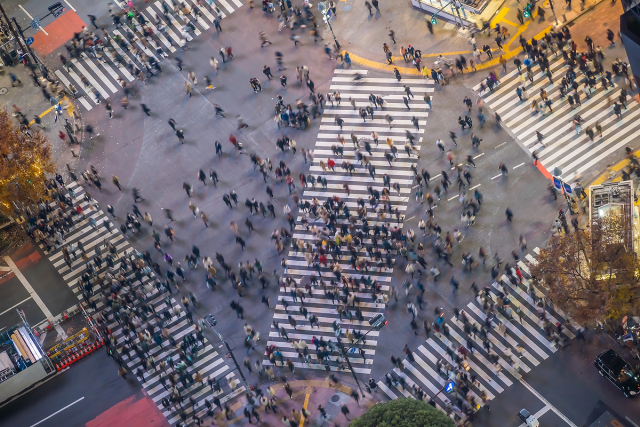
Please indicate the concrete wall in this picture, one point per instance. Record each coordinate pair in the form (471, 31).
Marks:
(21, 381)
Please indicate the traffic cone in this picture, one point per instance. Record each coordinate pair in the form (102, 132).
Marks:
(57, 367)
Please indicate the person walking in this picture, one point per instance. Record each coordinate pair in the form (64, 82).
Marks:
(345, 411)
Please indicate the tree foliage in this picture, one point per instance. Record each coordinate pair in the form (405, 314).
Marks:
(403, 412)
(25, 165)
(590, 274)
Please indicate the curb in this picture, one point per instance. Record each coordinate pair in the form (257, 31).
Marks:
(492, 63)
(303, 386)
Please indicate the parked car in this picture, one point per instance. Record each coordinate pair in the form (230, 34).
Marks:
(611, 366)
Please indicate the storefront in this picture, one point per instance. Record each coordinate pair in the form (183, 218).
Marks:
(468, 13)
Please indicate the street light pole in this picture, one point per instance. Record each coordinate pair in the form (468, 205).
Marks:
(553, 11)
(346, 356)
(33, 55)
(212, 323)
(335, 40)
(11, 29)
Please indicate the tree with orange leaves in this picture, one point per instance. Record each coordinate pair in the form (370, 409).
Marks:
(25, 165)
(590, 273)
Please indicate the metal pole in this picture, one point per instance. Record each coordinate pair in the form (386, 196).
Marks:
(458, 10)
(11, 29)
(235, 362)
(33, 55)
(360, 339)
(554, 11)
(454, 15)
(566, 198)
(333, 34)
(346, 356)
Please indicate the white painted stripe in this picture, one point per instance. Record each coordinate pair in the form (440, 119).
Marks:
(546, 402)
(99, 73)
(382, 80)
(89, 77)
(341, 71)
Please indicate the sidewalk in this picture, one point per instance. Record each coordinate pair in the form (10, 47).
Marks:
(308, 394)
(362, 35)
(30, 99)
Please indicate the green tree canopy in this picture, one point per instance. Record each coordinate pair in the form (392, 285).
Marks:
(403, 412)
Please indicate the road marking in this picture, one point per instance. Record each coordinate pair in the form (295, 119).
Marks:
(306, 403)
(475, 187)
(72, 8)
(498, 146)
(479, 155)
(55, 413)
(632, 423)
(538, 414)
(28, 287)
(519, 165)
(453, 197)
(546, 402)
(5, 268)
(499, 16)
(497, 176)
(31, 17)
(9, 309)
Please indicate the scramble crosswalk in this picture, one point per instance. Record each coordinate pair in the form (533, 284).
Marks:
(573, 153)
(520, 339)
(352, 189)
(166, 29)
(95, 238)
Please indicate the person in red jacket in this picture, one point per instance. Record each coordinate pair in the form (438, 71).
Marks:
(331, 164)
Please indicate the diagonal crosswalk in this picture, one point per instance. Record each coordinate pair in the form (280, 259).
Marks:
(104, 72)
(562, 147)
(511, 342)
(95, 238)
(308, 280)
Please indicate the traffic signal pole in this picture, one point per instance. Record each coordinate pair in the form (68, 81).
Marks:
(11, 29)
(554, 11)
(33, 55)
(346, 356)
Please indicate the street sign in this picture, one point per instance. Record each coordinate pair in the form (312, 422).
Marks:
(449, 387)
(567, 188)
(29, 41)
(557, 183)
(353, 350)
(35, 23)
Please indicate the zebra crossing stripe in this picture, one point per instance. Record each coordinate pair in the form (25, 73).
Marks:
(421, 371)
(572, 153)
(207, 361)
(67, 83)
(90, 78)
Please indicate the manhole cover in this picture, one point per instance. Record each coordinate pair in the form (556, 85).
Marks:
(335, 398)
(347, 7)
(3, 90)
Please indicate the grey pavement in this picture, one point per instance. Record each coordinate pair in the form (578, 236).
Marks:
(54, 295)
(100, 390)
(144, 153)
